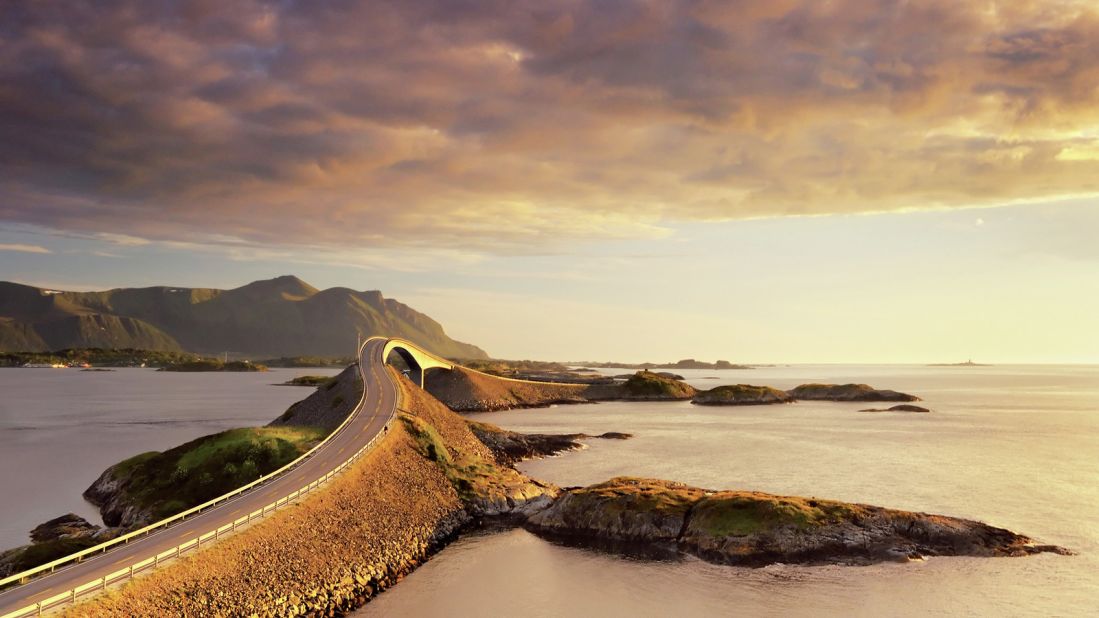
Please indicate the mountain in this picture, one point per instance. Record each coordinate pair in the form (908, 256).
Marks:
(284, 316)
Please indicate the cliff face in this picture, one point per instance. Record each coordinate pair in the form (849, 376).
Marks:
(278, 317)
(755, 529)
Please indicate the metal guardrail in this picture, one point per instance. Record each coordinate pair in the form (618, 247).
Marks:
(101, 583)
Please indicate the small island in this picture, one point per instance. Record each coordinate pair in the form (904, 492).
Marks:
(754, 529)
(847, 392)
(741, 395)
(904, 407)
(315, 381)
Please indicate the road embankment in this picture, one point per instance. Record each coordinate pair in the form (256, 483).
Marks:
(339, 547)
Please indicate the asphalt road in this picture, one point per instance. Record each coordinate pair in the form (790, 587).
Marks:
(379, 405)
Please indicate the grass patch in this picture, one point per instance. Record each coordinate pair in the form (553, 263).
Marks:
(637, 495)
(472, 477)
(203, 469)
(734, 513)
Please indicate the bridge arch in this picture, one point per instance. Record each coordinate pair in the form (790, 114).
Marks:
(418, 360)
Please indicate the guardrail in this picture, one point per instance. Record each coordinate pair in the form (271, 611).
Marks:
(101, 583)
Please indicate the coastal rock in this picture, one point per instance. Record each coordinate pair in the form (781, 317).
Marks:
(623, 509)
(511, 447)
(642, 386)
(741, 395)
(756, 529)
(847, 392)
(67, 526)
(110, 493)
(904, 407)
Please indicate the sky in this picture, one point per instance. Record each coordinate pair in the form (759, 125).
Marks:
(779, 181)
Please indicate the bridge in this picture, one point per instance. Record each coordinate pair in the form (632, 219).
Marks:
(89, 571)
(417, 359)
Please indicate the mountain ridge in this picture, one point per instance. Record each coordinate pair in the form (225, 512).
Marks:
(283, 316)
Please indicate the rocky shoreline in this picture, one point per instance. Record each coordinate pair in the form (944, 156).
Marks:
(511, 447)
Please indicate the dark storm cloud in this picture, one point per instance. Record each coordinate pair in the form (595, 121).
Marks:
(505, 125)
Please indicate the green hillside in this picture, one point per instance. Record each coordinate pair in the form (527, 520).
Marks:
(276, 317)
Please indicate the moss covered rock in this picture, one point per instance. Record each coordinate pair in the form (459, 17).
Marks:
(755, 529)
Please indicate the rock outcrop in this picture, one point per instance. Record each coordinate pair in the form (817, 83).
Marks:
(847, 392)
(904, 407)
(642, 386)
(741, 395)
(53, 539)
(66, 526)
(756, 529)
(511, 447)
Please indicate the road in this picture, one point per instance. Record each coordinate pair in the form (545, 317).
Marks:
(369, 419)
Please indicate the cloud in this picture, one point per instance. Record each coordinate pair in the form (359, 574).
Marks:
(517, 126)
(22, 248)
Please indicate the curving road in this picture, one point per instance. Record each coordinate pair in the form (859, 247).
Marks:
(378, 406)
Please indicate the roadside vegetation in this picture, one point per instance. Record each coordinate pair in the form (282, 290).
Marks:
(472, 476)
(163, 484)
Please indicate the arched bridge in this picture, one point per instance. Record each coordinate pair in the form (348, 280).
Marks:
(418, 360)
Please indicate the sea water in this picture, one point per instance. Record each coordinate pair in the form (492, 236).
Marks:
(60, 428)
(1014, 446)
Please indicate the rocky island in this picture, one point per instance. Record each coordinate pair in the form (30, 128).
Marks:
(847, 392)
(741, 395)
(755, 529)
(904, 407)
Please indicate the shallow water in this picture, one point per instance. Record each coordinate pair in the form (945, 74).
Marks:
(1015, 446)
(60, 428)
